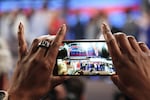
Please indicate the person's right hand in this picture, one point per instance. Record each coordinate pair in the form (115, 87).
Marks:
(132, 62)
(33, 76)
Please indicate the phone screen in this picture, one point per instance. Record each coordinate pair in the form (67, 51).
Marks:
(84, 57)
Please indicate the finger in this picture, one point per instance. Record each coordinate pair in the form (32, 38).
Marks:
(144, 47)
(22, 42)
(134, 44)
(113, 47)
(44, 44)
(43, 49)
(56, 80)
(53, 50)
(34, 46)
(123, 42)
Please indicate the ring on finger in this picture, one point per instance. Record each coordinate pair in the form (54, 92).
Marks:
(44, 43)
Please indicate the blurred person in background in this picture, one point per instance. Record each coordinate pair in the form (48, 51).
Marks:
(92, 30)
(144, 23)
(75, 88)
(130, 27)
(29, 14)
(120, 96)
(5, 64)
(10, 21)
(39, 21)
(19, 15)
(56, 21)
(71, 89)
(78, 29)
(4, 23)
(144, 26)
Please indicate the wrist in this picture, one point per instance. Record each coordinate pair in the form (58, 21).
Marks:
(3, 95)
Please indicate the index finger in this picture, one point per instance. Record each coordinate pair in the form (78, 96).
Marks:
(21, 41)
(53, 50)
(113, 47)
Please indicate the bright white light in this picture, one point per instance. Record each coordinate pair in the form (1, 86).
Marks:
(85, 46)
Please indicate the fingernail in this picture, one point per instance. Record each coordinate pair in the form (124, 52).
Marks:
(131, 38)
(62, 28)
(106, 29)
(20, 26)
(103, 30)
(107, 32)
(141, 43)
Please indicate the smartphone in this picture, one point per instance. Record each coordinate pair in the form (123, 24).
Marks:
(84, 58)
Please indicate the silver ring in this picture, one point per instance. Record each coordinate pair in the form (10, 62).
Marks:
(44, 43)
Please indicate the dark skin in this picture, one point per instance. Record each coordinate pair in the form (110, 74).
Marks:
(132, 62)
(33, 76)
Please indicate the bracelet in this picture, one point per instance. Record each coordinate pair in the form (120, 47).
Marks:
(3, 95)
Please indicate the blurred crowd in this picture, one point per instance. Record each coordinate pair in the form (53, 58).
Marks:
(44, 21)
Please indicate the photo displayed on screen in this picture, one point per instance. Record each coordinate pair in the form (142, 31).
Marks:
(84, 58)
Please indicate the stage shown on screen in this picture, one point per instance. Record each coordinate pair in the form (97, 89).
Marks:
(84, 58)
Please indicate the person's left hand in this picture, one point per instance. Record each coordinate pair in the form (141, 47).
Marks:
(33, 76)
(131, 60)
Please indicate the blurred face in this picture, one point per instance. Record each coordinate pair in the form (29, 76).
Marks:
(61, 92)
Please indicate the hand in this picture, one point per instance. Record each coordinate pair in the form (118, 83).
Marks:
(132, 62)
(33, 76)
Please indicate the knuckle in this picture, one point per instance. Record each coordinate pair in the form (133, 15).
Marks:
(36, 41)
(56, 44)
(49, 40)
